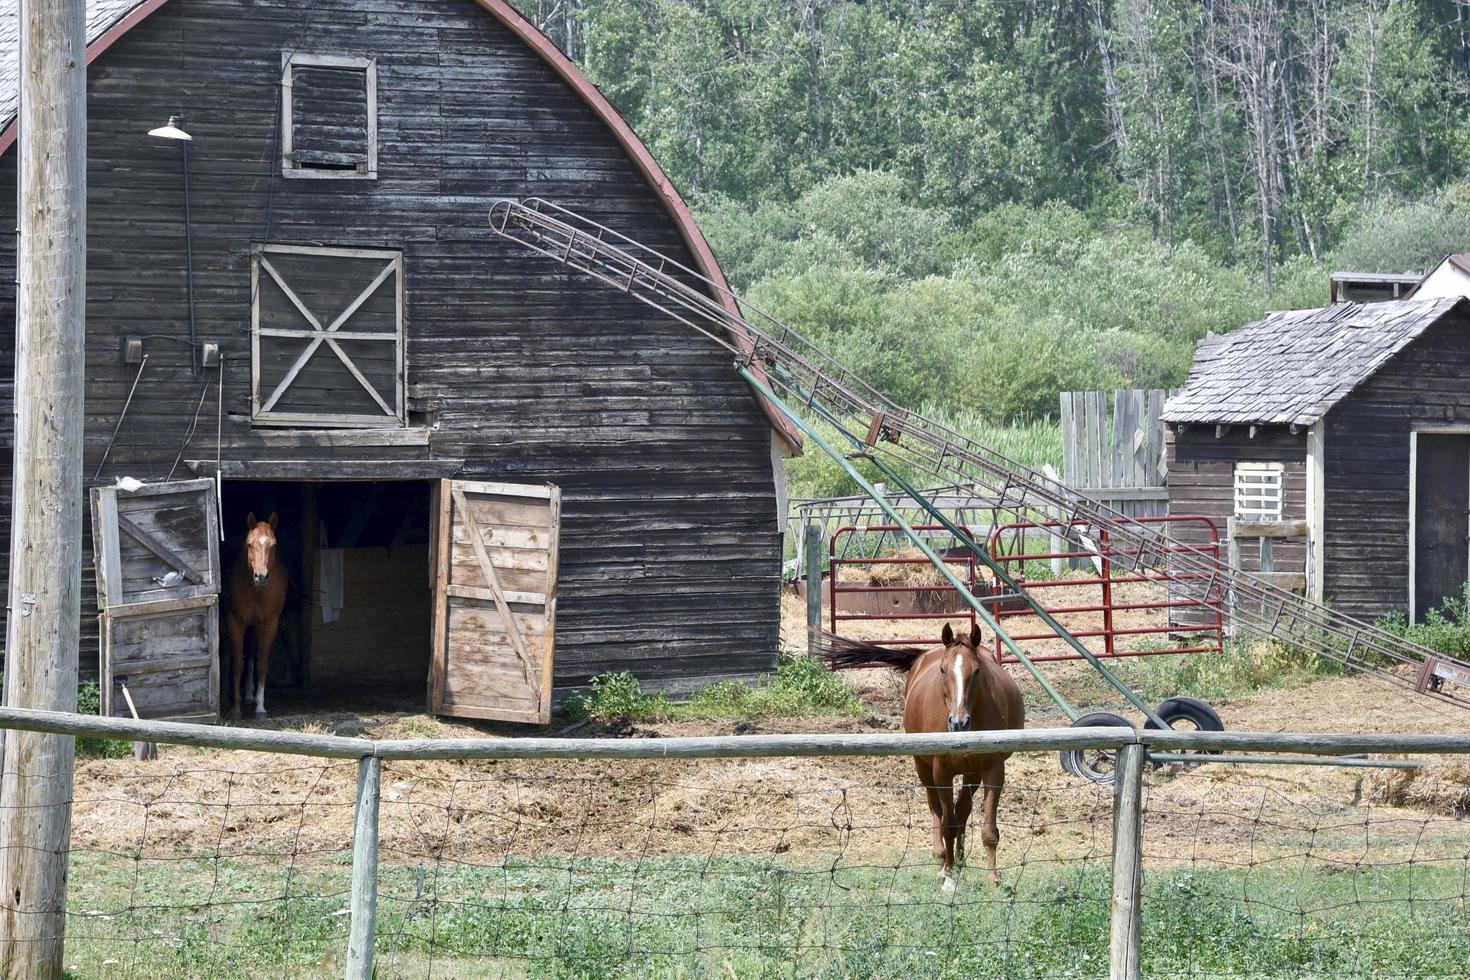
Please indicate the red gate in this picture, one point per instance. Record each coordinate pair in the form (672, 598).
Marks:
(1208, 636)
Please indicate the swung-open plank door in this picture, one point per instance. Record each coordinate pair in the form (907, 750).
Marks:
(158, 579)
(494, 563)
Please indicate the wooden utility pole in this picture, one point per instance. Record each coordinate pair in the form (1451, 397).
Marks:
(46, 522)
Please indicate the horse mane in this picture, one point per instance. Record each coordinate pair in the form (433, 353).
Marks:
(842, 653)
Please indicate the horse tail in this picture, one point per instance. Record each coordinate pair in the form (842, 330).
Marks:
(842, 653)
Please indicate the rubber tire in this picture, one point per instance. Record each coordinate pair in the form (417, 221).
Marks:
(1074, 760)
(1198, 713)
(1204, 717)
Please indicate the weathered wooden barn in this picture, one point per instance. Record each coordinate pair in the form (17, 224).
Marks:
(305, 298)
(1353, 418)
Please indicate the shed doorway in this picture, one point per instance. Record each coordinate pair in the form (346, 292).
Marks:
(1439, 519)
(356, 630)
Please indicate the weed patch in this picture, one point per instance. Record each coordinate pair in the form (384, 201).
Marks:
(800, 686)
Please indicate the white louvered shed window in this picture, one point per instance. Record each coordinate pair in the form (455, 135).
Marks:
(1258, 491)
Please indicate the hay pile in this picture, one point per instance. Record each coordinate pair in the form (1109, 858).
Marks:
(916, 573)
(1441, 787)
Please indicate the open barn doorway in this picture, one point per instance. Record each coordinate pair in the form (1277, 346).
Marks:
(355, 633)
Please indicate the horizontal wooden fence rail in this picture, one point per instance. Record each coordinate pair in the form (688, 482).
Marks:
(723, 746)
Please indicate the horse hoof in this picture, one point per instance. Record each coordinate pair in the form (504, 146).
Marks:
(946, 884)
(260, 712)
(232, 715)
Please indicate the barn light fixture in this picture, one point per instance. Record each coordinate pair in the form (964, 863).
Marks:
(171, 131)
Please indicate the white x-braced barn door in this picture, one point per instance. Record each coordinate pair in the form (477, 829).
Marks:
(327, 336)
(156, 551)
(495, 558)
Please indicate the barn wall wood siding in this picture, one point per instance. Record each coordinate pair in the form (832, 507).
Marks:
(1366, 501)
(670, 552)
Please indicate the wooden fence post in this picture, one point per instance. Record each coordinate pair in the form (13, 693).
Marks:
(1125, 946)
(363, 927)
(812, 543)
(46, 522)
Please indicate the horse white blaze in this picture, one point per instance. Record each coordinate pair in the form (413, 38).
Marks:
(959, 683)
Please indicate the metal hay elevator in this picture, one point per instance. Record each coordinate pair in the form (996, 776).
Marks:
(798, 378)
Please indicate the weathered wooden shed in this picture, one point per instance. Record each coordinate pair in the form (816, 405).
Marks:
(305, 301)
(1353, 418)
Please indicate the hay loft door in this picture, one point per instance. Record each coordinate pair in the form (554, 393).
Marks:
(158, 579)
(494, 626)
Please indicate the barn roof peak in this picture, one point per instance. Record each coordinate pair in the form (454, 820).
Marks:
(1291, 367)
(109, 20)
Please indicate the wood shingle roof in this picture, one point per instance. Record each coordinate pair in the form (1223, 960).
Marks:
(1292, 367)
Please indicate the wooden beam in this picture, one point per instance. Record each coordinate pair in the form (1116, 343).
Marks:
(325, 438)
(1268, 529)
(329, 469)
(160, 550)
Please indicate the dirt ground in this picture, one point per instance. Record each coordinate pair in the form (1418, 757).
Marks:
(843, 810)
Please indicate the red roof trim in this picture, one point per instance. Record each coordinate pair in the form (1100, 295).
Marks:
(107, 39)
(704, 257)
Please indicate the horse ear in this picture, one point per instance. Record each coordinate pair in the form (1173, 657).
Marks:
(947, 636)
(273, 520)
(250, 521)
(975, 635)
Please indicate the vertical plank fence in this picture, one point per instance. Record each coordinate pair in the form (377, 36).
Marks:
(1113, 448)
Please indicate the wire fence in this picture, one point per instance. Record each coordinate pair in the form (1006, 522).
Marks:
(756, 856)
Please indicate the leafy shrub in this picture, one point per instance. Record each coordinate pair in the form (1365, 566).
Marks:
(800, 686)
(1445, 630)
(615, 697)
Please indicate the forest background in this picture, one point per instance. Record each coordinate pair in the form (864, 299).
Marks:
(978, 205)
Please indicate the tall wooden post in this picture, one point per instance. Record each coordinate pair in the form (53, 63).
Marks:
(45, 567)
(1125, 945)
(362, 931)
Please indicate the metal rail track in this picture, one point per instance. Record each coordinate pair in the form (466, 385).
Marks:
(793, 365)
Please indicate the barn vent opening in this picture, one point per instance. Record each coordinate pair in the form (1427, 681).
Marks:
(329, 116)
(355, 633)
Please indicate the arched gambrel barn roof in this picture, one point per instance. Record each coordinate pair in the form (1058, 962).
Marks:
(109, 20)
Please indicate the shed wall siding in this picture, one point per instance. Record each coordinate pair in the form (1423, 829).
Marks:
(1202, 481)
(1366, 488)
(670, 553)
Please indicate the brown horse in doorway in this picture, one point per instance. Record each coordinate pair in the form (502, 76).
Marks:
(951, 687)
(254, 595)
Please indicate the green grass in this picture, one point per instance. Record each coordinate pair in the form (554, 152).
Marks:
(757, 917)
(801, 686)
(1244, 667)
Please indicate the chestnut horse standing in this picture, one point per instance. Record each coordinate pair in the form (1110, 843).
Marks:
(951, 687)
(254, 595)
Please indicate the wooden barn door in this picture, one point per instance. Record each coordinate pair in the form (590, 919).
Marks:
(494, 563)
(1441, 525)
(157, 555)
